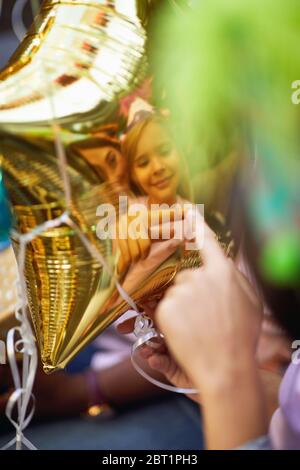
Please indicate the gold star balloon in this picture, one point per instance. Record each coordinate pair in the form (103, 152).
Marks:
(60, 94)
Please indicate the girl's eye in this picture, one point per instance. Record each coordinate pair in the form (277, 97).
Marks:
(165, 149)
(111, 159)
(143, 162)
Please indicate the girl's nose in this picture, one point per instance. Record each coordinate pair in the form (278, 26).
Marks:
(157, 165)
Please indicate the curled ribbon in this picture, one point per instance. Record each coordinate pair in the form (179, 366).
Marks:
(23, 386)
(26, 344)
(20, 398)
(145, 332)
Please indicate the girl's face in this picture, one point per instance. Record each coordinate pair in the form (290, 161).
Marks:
(156, 165)
(109, 163)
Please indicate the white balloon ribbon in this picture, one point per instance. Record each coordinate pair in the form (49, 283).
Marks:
(144, 333)
(22, 395)
(20, 399)
(143, 328)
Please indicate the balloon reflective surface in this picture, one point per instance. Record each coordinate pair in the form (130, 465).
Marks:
(77, 68)
(82, 53)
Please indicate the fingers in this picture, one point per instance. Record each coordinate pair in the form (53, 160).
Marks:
(144, 247)
(127, 326)
(165, 224)
(211, 251)
(162, 216)
(131, 251)
(166, 231)
(161, 226)
(149, 308)
(164, 364)
(146, 351)
(134, 250)
(160, 362)
(124, 259)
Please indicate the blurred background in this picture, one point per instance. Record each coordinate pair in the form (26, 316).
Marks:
(15, 17)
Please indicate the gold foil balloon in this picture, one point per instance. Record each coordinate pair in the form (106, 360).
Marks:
(77, 60)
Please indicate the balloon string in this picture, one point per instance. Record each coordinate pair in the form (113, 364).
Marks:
(23, 387)
(144, 332)
(17, 19)
(20, 398)
(23, 390)
(62, 163)
(98, 256)
(60, 151)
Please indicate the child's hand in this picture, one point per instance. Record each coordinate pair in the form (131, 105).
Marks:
(134, 246)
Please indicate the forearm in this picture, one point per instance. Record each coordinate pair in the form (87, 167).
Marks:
(234, 409)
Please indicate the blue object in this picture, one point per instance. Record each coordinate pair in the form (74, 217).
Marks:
(82, 360)
(5, 216)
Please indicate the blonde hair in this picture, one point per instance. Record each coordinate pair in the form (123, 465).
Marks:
(129, 148)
